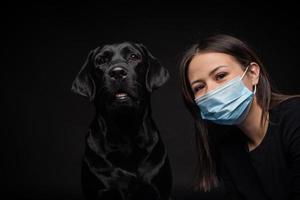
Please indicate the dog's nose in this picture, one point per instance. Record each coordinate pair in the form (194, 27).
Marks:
(118, 73)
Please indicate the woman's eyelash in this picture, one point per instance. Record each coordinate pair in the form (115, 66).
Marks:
(221, 75)
(197, 88)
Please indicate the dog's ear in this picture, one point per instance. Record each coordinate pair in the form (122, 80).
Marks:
(156, 74)
(84, 84)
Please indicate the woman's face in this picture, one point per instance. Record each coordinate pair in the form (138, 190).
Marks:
(208, 71)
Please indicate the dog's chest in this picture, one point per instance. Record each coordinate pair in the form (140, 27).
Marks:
(127, 156)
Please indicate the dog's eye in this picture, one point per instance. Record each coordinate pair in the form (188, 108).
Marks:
(101, 60)
(133, 56)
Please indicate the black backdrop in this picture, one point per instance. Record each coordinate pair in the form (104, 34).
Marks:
(46, 44)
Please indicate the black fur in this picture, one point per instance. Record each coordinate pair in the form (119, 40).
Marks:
(124, 156)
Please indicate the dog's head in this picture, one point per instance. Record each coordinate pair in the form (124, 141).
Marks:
(119, 75)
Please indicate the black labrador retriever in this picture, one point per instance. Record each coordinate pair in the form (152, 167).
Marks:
(124, 157)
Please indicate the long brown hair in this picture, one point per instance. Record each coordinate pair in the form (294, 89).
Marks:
(266, 97)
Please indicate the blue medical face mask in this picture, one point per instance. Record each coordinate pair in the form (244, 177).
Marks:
(228, 104)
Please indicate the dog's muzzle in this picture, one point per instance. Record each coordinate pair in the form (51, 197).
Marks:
(118, 73)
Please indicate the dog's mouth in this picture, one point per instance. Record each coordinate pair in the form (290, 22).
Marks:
(122, 96)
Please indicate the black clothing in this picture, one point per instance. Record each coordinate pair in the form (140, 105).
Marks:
(272, 169)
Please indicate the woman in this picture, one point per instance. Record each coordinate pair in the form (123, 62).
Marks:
(248, 135)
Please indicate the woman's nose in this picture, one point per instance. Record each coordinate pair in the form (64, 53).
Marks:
(210, 87)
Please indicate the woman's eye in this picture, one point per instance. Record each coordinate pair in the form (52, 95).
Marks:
(220, 76)
(133, 56)
(197, 88)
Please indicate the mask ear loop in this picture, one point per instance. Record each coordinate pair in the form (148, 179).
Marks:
(254, 90)
(244, 73)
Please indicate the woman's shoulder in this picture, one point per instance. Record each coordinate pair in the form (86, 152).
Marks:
(288, 106)
(286, 116)
(287, 112)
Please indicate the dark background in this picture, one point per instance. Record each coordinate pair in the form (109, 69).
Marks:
(45, 45)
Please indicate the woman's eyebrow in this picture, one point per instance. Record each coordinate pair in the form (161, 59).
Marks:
(195, 81)
(215, 69)
(210, 73)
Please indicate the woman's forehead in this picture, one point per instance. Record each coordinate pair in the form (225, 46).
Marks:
(202, 64)
(212, 59)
